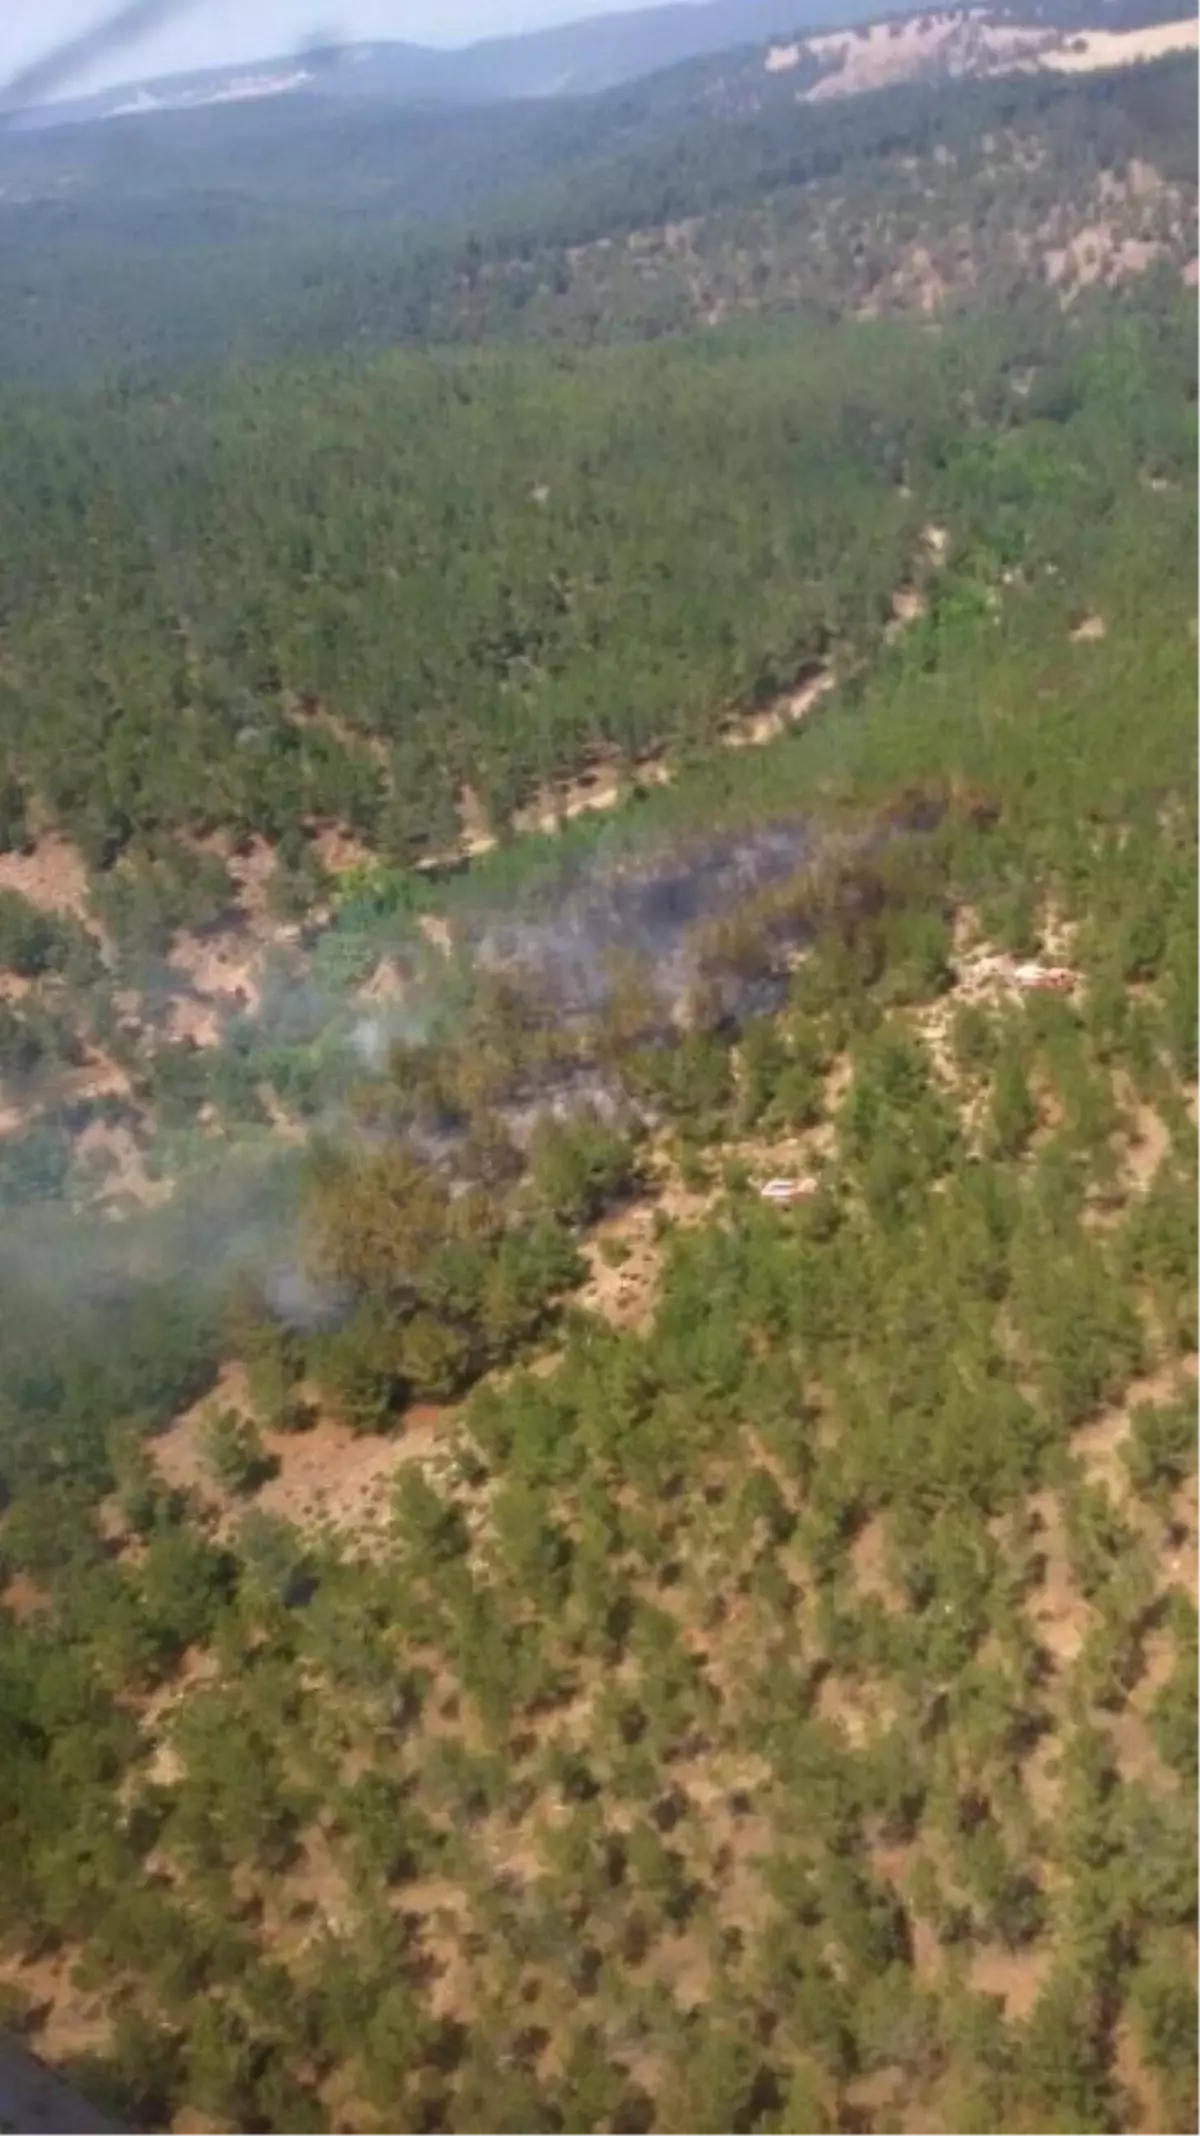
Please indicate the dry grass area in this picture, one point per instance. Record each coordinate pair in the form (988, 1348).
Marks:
(52, 876)
(218, 973)
(752, 729)
(334, 1478)
(624, 1255)
(1015, 1977)
(871, 1567)
(325, 1478)
(966, 42)
(1058, 1613)
(1121, 48)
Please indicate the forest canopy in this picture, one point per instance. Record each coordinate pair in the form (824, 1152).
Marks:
(598, 1062)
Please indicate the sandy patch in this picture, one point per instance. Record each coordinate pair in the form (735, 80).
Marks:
(869, 1563)
(600, 788)
(1149, 1142)
(1147, 2109)
(1098, 1444)
(1058, 1612)
(1088, 630)
(23, 1599)
(1098, 253)
(961, 43)
(53, 877)
(1015, 1976)
(752, 730)
(964, 42)
(339, 851)
(335, 1477)
(477, 833)
(328, 1476)
(1120, 48)
(624, 1256)
(858, 1708)
(220, 973)
(1130, 1731)
(75, 2021)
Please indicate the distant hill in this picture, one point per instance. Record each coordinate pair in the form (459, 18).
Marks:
(572, 59)
(838, 169)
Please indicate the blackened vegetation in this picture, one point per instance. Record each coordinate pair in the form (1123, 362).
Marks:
(444, 1227)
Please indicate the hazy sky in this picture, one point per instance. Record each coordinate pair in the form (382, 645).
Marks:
(208, 31)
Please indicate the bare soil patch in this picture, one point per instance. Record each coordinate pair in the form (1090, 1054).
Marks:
(22, 1598)
(623, 1290)
(332, 1476)
(1120, 48)
(327, 1476)
(752, 730)
(340, 851)
(1137, 1754)
(220, 970)
(858, 1708)
(1016, 1977)
(1059, 1614)
(1149, 1142)
(1098, 1444)
(957, 42)
(869, 1563)
(67, 2020)
(53, 876)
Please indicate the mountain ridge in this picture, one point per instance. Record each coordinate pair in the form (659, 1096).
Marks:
(572, 58)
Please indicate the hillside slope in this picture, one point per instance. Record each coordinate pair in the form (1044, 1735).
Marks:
(183, 240)
(577, 58)
(774, 1705)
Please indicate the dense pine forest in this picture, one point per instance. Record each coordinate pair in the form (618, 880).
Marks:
(503, 1623)
(148, 247)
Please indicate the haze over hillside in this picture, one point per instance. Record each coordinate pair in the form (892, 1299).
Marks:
(577, 58)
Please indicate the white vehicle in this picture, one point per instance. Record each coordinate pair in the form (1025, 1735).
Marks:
(787, 1190)
(1045, 978)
